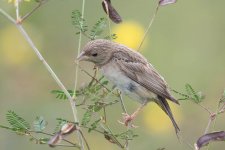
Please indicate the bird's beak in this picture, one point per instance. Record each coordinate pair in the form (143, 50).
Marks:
(82, 57)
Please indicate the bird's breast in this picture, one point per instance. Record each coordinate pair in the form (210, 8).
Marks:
(127, 86)
(113, 73)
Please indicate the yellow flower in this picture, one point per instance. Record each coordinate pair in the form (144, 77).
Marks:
(156, 120)
(129, 33)
(15, 1)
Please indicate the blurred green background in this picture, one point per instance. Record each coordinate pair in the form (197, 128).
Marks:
(186, 44)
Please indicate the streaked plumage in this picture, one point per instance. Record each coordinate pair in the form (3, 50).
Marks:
(130, 72)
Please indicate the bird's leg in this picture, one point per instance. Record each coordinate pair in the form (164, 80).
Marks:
(128, 118)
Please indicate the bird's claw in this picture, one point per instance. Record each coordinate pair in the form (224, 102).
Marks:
(127, 120)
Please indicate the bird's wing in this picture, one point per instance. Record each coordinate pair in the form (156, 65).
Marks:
(143, 73)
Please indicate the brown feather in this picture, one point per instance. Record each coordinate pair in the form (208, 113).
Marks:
(139, 70)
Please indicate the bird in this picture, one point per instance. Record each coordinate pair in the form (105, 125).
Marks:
(131, 73)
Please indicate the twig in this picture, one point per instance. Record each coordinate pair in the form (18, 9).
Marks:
(129, 124)
(205, 108)
(208, 125)
(29, 133)
(188, 97)
(149, 26)
(78, 51)
(88, 147)
(112, 135)
(41, 58)
(93, 78)
(108, 19)
(17, 11)
(122, 103)
(33, 10)
(76, 73)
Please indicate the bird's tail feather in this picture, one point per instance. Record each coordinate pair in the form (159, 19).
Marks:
(166, 108)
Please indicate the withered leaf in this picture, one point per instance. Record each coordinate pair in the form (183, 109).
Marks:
(205, 139)
(166, 2)
(111, 11)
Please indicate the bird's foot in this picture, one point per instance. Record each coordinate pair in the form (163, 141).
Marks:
(127, 119)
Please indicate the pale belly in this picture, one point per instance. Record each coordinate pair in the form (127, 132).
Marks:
(126, 85)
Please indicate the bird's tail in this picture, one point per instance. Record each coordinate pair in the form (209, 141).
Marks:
(166, 108)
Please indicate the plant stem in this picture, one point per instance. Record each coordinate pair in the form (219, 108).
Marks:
(33, 10)
(41, 58)
(78, 52)
(125, 112)
(76, 77)
(149, 26)
(17, 10)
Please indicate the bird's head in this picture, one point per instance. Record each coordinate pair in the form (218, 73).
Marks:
(97, 51)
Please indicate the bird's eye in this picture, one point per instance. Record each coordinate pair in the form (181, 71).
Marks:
(94, 54)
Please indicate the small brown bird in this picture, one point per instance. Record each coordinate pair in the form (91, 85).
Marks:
(131, 73)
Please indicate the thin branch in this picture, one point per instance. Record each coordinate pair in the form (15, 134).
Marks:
(17, 11)
(93, 78)
(122, 103)
(205, 108)
(208, 126)
(88, 147)
(81, 138)
(41, 58)
(188, 97)
(33, 10)
(112, 135)
(7, 16)
(149, 26)
(78, 51)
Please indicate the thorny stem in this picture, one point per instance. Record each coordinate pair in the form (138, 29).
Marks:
(149, 26)
(41, 58)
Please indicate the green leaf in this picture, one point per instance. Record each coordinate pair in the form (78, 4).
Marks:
(196, 97)
(39, 124)
(98, 28)
(97, 106)
(86, 117)
(105, 82)
(16, 121)
(43, 140)
(94, 125)
(59, 125)
(61, 95)
(111, 37)
(8, 128)
(128, 135)
(78, 21)
(222, 99)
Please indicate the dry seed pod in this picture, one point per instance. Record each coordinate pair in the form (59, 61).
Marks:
(111, 11)
(55, 139)
(166, 2)
(67, 128)
(205, 139)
